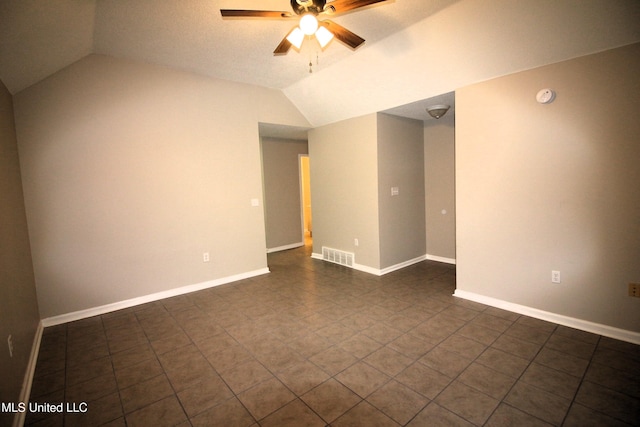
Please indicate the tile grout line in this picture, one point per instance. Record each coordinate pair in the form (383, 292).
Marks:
(582, 377)
(381, 296)
(522, 374)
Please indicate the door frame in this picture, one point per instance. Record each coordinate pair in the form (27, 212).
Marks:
(301, 180)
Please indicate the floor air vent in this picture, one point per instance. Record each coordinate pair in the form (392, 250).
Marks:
(338, 257)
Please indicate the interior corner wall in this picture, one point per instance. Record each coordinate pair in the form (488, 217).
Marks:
(282, 203)
(343, 160)
(19, 315)
(439, 170)
(401, 166)
(132, 171)
(553, 187)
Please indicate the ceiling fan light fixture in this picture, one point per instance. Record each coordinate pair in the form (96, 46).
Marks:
(296, 37)
(323, 36)
(308, 12)
(437, 111)
(308, 24)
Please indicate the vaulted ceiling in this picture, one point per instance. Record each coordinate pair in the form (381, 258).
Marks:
(415, 49)
(38, 37)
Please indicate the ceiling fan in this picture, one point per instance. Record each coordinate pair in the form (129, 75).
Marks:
(309, 25)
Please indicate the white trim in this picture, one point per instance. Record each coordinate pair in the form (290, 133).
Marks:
(301, 183)
(95, 311)
(25, 392)
(285, 247)
(367, 269)
(403, 264)
(583, 325)
(441, 259)
(376, 271)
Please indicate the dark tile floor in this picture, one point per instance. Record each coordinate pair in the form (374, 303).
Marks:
(315, 344)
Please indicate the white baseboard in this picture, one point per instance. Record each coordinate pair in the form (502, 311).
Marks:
(367, 269)
(25, 392)
(403, 264)
(377, 271)
(95, 311)
(441, 259)
(285, 247)
(583, 325)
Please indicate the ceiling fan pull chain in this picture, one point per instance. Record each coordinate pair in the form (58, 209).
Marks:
(311, 61)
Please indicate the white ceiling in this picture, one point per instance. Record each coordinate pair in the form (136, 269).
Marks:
(414, 110)
(418, 110)
(417, 51)
(39, 37)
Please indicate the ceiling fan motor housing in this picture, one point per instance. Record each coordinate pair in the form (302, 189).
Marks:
(301, 7)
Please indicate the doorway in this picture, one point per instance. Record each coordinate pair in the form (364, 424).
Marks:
(305, 200)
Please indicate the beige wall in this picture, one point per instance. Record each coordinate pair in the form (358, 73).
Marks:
(439, 157)
(553, 187)
(354, 164)
(132, 171)
(344, 175)
(282, 204)
(401, 165)
(18, 303)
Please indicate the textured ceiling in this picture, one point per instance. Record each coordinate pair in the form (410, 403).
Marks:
(417, 51)
(418, 110)
(39, 37)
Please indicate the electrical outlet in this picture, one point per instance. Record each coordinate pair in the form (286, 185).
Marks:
(555, 276)
(356, 242)
(205, 257)
(10, 344)
(634, 290)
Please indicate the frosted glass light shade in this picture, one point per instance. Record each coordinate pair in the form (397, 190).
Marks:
(308, 24)
(437, 111)
(296, 37)
(324, 36)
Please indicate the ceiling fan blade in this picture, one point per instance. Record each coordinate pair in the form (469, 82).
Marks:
(340, 6)
(283, 47)
(345, 36)
(239, 13)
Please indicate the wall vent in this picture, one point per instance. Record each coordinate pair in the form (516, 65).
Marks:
(337, 257)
